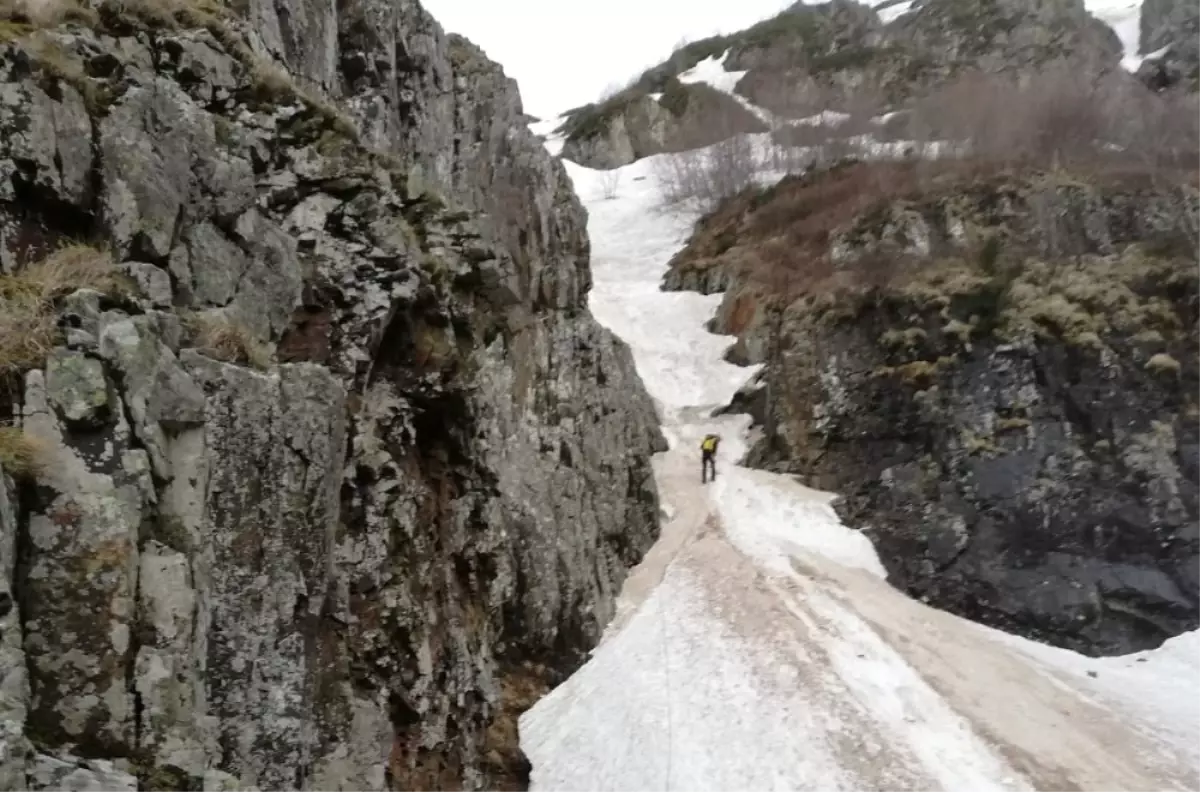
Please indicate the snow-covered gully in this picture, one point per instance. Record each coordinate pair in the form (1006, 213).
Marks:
(758, 646)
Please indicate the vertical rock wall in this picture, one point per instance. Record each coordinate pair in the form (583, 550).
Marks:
(344, 475)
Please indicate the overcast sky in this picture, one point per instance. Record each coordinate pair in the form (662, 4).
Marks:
(565, 52)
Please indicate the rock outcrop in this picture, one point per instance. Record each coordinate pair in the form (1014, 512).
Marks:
(1170, 35)
(997, 373)
(631, 126)
(335, 474)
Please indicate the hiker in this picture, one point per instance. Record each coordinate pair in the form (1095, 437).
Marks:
(708, 457)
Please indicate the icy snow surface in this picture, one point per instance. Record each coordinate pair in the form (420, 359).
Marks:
(758, 645)
(1125, 18)
(547, 131)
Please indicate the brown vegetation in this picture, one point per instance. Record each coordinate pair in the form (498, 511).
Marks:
(20, 455)
(1061, 130)
(1066, 115)
(222, 338)
(23, 16)
(1069, 117)
(28, 320)
(709, 174)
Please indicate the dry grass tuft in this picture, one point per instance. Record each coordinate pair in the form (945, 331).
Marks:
(170, 13)
(28, 332)
(26, 21)
(1162, 363)
(28, 322)
(67, 269)
(222, 338)
(21, 456)
(276, 83)
(24, 16)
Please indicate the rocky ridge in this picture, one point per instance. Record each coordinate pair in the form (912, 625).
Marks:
(330, 473)
(1170, 32)
(842, 55)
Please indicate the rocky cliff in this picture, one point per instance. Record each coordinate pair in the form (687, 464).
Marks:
(316, 470)
(1170, 33)
(840, 55)
(996, 370)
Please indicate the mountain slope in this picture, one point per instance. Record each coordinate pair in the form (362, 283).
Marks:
(843, 55)
(758, 645)
(1169, 35)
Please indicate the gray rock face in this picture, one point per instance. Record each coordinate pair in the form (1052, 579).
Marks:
(1009, 411)
(682, 116)
(997, 35)
(352, 476)
(1170, 31)
(14, 677)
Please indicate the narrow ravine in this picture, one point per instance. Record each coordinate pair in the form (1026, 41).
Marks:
(758, 644)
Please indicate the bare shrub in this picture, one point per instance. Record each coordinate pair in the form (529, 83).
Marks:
(1075, 118)
(28, 322)
(610, 181)
(1164, 135)
(816, 123)
(223, 338)
(798, 147)
(708, 175)
(1067, 115)
(39, 14)
(788, 230)
(21, 455)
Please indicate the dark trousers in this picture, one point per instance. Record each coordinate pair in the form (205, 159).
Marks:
(708, 462)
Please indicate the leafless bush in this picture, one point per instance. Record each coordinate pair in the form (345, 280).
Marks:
(1074, 117)
(610, 180)
(806, 140)
(817, 123)
(708, 174)
(1159, 130)
(798, 147)
(1061, 117)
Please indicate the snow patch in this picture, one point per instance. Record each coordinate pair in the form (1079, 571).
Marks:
(546, 130)
(893, 12)
(711, 71)
(1125, 18)
(770, 517)
(824, 118)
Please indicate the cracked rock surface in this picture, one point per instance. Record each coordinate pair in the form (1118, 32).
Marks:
(346, 475)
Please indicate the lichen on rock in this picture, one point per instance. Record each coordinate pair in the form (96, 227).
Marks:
(346, 475)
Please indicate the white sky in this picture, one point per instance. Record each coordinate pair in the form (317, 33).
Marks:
(564, 53)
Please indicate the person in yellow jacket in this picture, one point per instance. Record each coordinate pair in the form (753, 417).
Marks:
(708, 457)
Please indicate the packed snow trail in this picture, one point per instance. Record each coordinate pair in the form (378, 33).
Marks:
(758, 645)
